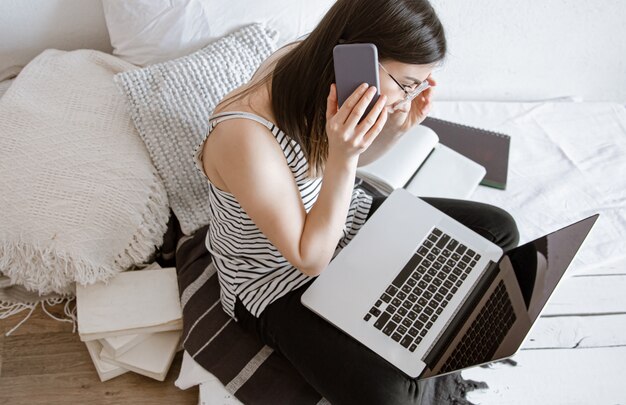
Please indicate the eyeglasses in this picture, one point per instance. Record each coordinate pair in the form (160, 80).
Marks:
(410, 92)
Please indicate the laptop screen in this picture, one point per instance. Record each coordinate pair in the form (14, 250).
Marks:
(503, 322)
(538, 274)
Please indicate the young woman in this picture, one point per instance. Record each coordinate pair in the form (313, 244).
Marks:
(280, 158)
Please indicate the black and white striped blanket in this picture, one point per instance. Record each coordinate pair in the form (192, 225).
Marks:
(251, 371)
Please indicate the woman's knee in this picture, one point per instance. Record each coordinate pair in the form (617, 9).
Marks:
(507, 234)
(491, 222)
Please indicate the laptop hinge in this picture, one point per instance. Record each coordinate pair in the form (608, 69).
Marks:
(438, 349)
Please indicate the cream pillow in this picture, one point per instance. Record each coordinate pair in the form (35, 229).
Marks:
(81, 200)
(144, 32)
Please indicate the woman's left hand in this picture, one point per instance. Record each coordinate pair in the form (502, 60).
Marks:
(406, 115)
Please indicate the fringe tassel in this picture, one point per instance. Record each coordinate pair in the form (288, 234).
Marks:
(8, 309)
(23, 259)
(69, 313)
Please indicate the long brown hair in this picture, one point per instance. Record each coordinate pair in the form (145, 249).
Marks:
(407, 31)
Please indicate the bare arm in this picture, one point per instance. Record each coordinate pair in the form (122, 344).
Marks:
(252, 165)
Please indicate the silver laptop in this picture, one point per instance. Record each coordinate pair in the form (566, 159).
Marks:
(431, 296)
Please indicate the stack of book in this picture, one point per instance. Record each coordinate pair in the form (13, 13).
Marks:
(132, 323)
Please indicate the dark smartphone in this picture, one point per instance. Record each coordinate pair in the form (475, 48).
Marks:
(355, 64)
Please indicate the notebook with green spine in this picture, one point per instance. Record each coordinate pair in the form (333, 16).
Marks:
(488, 148)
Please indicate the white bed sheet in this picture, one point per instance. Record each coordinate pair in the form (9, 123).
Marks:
(567, 161)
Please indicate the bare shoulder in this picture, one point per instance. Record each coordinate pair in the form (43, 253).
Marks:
(239, 145)
(238, 134)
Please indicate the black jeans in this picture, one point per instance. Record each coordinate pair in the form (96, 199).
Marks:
(340, 368)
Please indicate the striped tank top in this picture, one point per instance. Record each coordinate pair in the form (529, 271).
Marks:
(248, 265)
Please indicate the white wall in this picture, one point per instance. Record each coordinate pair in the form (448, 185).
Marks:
(533, 49)
(499, 49)
(27, 27)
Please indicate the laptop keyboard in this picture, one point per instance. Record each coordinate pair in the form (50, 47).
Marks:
(418, 295)
(485, 334)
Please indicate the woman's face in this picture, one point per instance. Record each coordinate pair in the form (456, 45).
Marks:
(407, 75)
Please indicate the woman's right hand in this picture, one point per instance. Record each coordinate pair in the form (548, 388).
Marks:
(347, 138)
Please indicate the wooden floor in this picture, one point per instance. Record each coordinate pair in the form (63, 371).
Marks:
(43, 362)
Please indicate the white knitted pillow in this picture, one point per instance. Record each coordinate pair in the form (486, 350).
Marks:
(170, 103)
(80, 199)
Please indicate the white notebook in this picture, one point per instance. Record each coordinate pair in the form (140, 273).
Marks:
(446, 174)
(133, 302)
(152, 357)
(424, 167)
